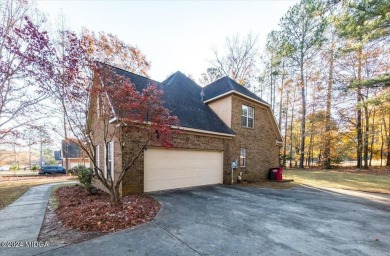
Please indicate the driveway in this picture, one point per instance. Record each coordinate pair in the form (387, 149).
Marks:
(224, 220)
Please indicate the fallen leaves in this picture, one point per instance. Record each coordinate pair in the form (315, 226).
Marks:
(79, 210)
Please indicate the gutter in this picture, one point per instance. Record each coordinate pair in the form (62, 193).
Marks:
(115, 119)
(235, 92)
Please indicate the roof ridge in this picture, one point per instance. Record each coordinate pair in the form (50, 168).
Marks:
(172, 77)
(213, 82)
(230, 83)
(129, 72)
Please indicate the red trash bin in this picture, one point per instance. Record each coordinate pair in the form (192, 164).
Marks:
(279, 174)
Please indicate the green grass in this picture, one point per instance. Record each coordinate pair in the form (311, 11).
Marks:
(11, 188)
(53, 200)
(340, 179)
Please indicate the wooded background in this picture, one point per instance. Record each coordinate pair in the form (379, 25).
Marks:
(324, 71)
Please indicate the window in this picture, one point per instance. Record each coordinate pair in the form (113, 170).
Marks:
(97, 157)
(247, 116)
(110, 158)
(242, 157)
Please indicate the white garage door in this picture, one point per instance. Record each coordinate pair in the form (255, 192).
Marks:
(170, 168)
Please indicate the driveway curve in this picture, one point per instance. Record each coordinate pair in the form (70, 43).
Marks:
(226, 220)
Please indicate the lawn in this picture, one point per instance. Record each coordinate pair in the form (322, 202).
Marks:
(11, 188)
(375, 181)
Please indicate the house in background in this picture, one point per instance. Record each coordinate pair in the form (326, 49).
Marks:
(72, 153)
(58, 157)
(220, 123)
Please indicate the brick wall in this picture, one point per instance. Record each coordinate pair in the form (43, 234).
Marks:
(102, 132)
(259, 142)
(262, 152)
(134, 180)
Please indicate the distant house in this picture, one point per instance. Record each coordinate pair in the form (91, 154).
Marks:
(58, 157)
(220, 123)
(73, 153)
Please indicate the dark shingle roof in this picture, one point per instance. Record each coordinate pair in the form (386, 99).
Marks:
(70, 149)
(224, 85)
(182, 97)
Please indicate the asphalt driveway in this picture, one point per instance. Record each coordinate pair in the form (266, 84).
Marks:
(224, 220)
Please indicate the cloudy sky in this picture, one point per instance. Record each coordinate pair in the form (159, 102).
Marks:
(174, 35)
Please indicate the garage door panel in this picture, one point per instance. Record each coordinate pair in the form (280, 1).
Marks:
(168, 169)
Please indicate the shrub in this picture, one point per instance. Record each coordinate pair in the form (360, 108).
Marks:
(14, 168)
(35, 168)
(85, 176)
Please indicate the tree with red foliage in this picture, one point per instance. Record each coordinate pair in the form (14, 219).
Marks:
(25, 54)
(113, 109)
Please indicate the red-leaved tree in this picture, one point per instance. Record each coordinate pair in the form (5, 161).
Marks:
(114, 110)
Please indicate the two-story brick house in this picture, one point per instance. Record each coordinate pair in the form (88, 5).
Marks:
(219, 123)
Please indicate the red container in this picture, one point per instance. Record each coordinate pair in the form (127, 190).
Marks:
(279, 174)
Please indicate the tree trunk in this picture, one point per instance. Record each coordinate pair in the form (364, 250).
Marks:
(272, 87)
(303, 121)
(327, 159)
(310, 157)
(281, 100)
(382, 144)
(388, 143)
(372, 137)
(66, 145)
(359, 114)
(291, 129)
(388, 152)
(366, 135)
(285, 132)
(115, 195)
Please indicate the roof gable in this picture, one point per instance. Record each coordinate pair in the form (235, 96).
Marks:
(225, 85)
(182, 97)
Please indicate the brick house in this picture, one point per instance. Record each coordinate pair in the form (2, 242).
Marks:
(220, 123)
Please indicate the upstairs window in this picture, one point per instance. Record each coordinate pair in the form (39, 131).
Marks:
(247, 116)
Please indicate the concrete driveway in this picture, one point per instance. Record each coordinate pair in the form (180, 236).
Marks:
(224, 220)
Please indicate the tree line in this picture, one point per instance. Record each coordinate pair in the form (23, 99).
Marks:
(325, 73)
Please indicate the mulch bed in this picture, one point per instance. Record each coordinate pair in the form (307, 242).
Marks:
(84, 212)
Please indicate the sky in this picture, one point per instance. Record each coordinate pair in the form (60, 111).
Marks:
(174, 35)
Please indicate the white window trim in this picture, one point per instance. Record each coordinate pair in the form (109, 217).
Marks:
(111, 145)
(243, 157)
(105, 164)
(110, 148)
(97, 156)
(247, 116)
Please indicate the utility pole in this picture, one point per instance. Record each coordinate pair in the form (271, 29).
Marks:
(41, 151)
(29, 152)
